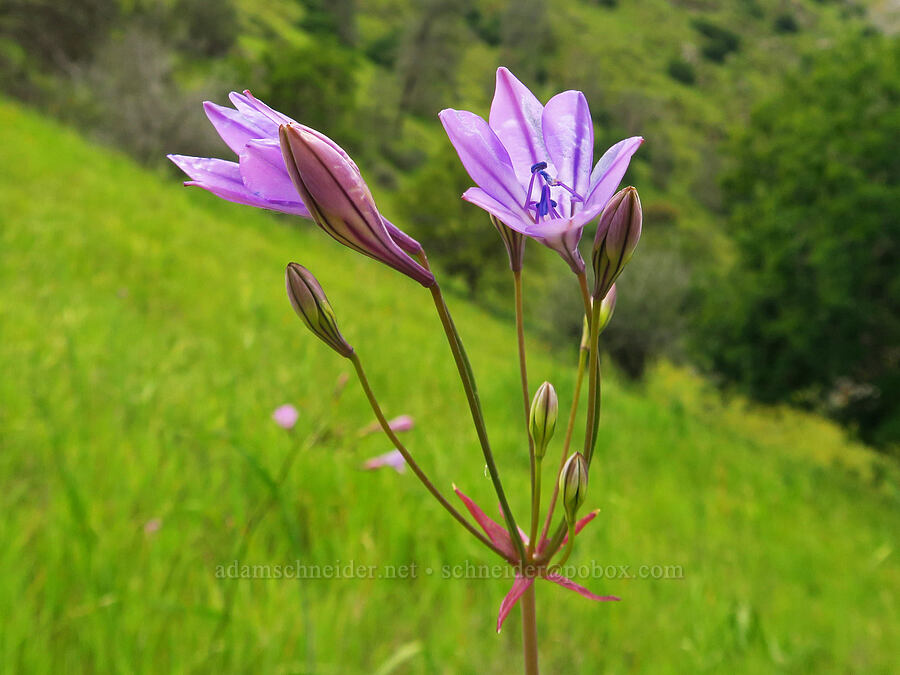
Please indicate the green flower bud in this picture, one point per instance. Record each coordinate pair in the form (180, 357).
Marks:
(586, 333)
(542, 418)
(607, 307)
(311, 305)
(617, 236)
(573, 485)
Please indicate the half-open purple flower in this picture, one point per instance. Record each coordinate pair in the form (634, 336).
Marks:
(532, 163)
(260, 178)
(500, 537)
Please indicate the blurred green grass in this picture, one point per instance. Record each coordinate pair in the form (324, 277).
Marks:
(144, 341)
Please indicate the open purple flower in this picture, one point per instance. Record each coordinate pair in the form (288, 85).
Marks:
(532, 164)
(260, 178)
(500, 537)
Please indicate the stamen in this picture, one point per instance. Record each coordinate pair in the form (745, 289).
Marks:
(545, 205)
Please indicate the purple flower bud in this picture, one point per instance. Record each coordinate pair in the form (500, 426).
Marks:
(542, 418)
(340, 201)
(514, 242)
(573, 485)
(285, 416)
(311, 305)
(617, 236)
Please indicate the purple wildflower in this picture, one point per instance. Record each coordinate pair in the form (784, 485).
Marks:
(392, 459)
(532, 164)
(286, 416)
(260, 178)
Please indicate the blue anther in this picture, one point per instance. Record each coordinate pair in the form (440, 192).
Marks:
(540, 166)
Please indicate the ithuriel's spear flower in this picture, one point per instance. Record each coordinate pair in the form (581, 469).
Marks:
(500, 537)
(311, 305)
(532, 164)
(261, 178)
(617, 236)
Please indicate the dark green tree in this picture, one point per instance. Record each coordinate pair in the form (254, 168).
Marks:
(811, 308)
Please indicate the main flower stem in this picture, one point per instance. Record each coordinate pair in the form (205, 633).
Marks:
(385, 425)
(523, 373)
(468, 380)
(529, 632)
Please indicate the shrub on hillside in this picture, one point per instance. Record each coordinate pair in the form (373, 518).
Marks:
(719, 42)
(682, 71)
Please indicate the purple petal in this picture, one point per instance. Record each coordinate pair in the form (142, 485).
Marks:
(393, 459)
(263, 171)
(246, 102)
(520, 585)
(485, 158)
(285, 416)
(482, 199)
(581, 590)
(223, 179)
(495, 532)
(402, 239)
(235, 128)
(516, 119)
(608, 172)
(569, 136)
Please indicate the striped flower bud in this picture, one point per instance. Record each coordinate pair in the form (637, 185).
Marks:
(542, 418)
(340, 201)
(311, 305)
(514, 242)
(573, 485)
(617, 236)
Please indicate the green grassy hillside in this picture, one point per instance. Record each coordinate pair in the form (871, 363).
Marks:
(145, 340)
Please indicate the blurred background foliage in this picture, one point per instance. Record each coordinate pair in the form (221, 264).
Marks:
(769, 178)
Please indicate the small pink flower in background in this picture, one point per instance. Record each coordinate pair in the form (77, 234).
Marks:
(397, 425)
(152, 526)
(285, 416)
(392, 459)
(498, 534)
